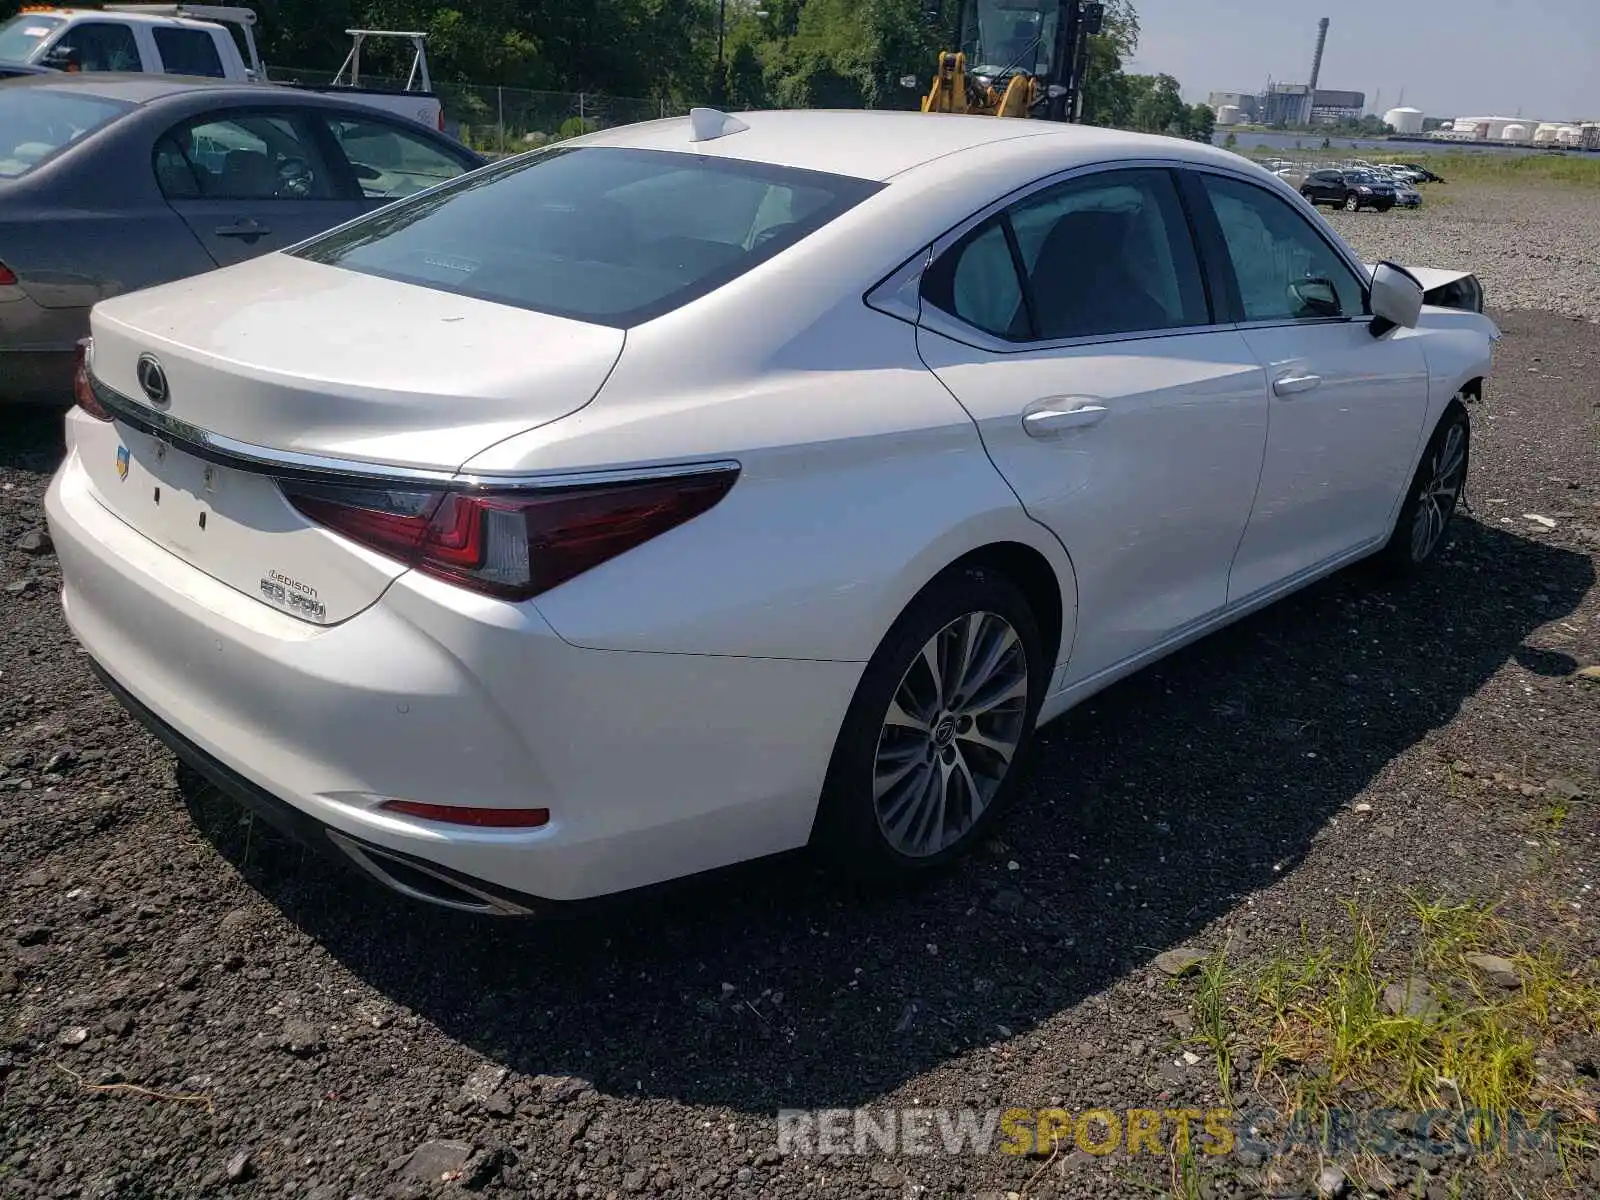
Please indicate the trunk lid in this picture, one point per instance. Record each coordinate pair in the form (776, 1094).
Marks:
(296, 356)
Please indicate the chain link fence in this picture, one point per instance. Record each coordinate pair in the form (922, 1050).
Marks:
(508, 120)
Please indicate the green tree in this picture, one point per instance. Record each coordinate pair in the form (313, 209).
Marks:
(1202, 123)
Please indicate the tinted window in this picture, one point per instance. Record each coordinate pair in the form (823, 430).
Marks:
(1274, 250)
(598, 233)
(36, 122)
(21, 36)
(983, 287)
(98, 46)
(188, 52)
(256, 156)
(390, 163)
(1106, 254)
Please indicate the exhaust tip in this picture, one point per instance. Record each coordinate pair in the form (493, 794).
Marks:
(418, 882)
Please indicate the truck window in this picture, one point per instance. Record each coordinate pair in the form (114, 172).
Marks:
(96, 46)
(21, 36)
(188, 52)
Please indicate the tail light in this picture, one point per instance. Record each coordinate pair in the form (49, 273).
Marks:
(82, 389)
(8, 277)
(510, 544)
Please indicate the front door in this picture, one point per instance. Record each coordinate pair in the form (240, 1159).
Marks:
(1346, 408)
(250, 182)
(1075, 329)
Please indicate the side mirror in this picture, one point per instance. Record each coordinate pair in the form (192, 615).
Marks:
(1315, 298)
(1396, 299)
(62, 58)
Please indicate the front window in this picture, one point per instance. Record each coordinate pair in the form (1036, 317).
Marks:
(597, 233)
(1005, 36)
(21, 37)
(1285, 269)
(38, 122)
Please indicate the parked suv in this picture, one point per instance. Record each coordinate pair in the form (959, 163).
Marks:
(1351, 190)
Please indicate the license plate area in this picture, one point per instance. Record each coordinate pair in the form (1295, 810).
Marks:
(231, 523)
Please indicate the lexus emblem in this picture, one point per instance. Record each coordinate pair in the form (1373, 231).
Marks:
(153, 380)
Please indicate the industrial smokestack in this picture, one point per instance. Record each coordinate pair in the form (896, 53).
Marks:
(1316, 67)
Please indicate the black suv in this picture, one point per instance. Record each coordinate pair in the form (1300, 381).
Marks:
(1350, 190)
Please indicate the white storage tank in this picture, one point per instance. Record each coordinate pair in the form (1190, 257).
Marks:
(1404, 120)
(1229, 114)
(1545, 135)
(1514, 133)
(1569, 135)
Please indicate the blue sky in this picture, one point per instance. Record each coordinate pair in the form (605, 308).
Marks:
(1452, 57)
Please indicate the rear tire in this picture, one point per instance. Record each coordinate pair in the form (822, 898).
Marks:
(1433, 496)
(938, 733)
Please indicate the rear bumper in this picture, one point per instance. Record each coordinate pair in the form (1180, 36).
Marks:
(38, 350)
(653, 766)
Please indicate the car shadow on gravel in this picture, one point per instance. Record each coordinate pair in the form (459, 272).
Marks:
(1151, 810)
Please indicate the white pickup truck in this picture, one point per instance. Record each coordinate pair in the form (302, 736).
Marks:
(195, 39)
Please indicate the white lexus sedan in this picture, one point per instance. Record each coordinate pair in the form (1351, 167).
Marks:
(695, 491)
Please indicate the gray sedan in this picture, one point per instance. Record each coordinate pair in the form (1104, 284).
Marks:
(110, 183)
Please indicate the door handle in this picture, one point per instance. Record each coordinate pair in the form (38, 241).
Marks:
(1052, 416)
(1293, 384)
(246, 227)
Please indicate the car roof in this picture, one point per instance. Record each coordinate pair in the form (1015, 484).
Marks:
(136, 88)
(880, 144)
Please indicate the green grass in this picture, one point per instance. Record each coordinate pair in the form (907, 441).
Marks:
(1323, 1038)
(1496, 167)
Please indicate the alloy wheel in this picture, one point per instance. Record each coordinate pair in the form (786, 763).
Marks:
(1440, 492)
(949, 736)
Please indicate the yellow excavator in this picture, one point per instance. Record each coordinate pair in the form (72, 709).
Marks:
(1018, 58)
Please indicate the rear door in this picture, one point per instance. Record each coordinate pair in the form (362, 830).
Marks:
(1346, 408)
(1075, 329)
(247, 182)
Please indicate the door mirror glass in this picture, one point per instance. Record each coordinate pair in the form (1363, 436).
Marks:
(1396, 299)
(1314, 298)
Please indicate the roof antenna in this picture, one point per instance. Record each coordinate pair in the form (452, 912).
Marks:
(709, 124)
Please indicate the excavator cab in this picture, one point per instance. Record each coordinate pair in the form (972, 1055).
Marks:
(1018, 58)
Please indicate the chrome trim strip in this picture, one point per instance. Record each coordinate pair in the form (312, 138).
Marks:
(932, 319)
(291, 464)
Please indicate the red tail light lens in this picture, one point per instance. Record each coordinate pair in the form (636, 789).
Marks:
(8, 277)
(511, 544)
(82, 390)
(478, 818)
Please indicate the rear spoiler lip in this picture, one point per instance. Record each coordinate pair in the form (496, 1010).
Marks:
(312, 468)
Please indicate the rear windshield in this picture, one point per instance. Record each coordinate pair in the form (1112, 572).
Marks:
(602, 234)
(36, 122)
(21, 36)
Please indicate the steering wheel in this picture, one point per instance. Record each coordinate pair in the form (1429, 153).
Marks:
(295, 177)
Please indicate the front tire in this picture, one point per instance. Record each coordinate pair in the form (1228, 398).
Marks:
(1352, 203)
(934, 741)
(1435, 493)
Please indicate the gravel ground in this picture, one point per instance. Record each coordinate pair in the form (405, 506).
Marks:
(1533, 247)
(191, 1007)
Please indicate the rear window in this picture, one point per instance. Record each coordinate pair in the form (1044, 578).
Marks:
(188, 52)
(21, 36)
(38, 122)
(602, 234)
